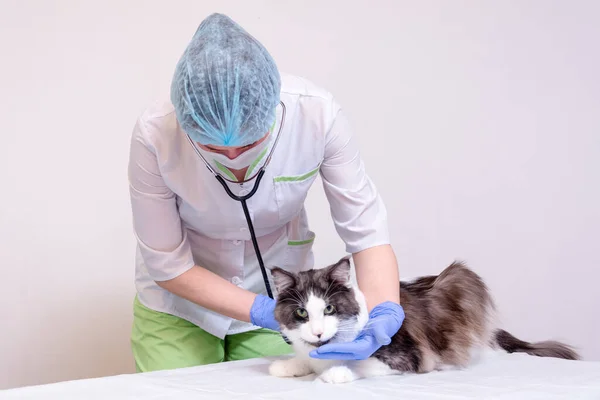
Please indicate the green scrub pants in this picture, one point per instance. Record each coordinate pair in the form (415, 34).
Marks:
(162, 341)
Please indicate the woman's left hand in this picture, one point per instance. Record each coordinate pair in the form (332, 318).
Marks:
(384, 321)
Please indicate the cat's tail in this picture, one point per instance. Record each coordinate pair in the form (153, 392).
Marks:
(541, 349)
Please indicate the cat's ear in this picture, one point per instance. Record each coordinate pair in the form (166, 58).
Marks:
(283, 279)
(340, 271)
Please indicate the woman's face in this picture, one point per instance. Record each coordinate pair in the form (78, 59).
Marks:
(231, 152)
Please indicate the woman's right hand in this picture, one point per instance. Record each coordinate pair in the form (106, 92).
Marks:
(262, 313)
(209, 290)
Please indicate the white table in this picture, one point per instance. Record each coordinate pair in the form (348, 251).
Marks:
(497, 376)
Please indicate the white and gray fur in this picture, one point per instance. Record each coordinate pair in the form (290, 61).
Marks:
(449, 319)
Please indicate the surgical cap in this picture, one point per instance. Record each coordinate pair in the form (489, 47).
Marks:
(226, 85)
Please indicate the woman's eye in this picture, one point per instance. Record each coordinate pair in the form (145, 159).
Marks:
(329, 310)
(302, 313)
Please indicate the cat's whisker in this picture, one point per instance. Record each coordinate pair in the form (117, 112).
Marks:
(343, 324)
(346, 330)
(336, 293)
(292, 301)
(297, 296)
(328, 289)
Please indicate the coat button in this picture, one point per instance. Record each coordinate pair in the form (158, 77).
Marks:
(236, 280)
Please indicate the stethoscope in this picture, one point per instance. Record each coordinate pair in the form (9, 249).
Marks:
(243, 199)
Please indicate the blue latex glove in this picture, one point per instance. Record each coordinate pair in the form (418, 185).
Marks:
(262, 313)
(384, 321)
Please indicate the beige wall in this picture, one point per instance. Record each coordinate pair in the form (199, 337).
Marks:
(478, 120)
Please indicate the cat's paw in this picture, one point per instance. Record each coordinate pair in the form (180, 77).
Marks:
(289, 368)
(338, 374)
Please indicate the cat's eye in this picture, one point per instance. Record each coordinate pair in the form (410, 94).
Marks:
(329, 310)
(302, 313)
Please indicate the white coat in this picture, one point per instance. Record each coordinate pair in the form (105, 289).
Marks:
(182, 216)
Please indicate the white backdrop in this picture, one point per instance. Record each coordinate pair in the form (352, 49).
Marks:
(478, 120)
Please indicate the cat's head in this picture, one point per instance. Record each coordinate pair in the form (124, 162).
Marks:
(319, 306)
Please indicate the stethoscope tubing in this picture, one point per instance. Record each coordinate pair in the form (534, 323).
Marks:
(242, 199)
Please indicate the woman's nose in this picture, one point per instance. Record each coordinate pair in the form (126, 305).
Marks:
(233, 153)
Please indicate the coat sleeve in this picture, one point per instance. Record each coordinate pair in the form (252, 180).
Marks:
(161, 240)
(358, 212)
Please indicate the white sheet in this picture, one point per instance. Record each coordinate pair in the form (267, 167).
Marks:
(497, 376)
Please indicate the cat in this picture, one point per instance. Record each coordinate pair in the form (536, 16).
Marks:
(450, 319)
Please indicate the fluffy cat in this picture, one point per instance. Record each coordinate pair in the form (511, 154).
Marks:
(449, 319)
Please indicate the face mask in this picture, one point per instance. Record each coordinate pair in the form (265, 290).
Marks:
(252, 158)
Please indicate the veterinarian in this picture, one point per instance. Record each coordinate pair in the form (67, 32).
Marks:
(201, 297)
